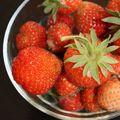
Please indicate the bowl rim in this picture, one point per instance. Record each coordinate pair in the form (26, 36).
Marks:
(18, 87)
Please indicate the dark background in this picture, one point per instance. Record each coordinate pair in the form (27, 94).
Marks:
(12, 105)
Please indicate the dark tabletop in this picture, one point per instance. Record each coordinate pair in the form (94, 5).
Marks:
(12, 105)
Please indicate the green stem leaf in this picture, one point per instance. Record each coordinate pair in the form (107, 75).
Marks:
(70, 45)
(114, 27)
(108, 67)
(103, 69)
(94, 72)
(81, 63)
(115, 37)
(70, 37)
(113, 20)
(86, 69)
(48, 9)
(52, 6)
(103, 44)
(93, 37)
(81, 49)
(111, 49)
(75, 58)
(107, 59)
(83, 37)
(114, 13)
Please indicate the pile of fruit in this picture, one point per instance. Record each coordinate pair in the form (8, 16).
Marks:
(74, 57)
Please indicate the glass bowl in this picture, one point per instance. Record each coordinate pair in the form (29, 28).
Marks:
(29, 10)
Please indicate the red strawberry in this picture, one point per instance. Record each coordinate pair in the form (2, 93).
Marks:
(31, 34)
(73, 5)
(109, 95)
(87, 63)
(64, 87)
(36, 69)
(61, 6)
(61, 18)
(117, 42)
(54, 35)
(89, 99)
(114, 5)
(71, 103)
(88, 16)
(116, 67)
(76, 74)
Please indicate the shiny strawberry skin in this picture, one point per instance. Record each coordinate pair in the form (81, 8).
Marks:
(64, 87)
(31, 33)
(36, 69)
(71, 103)
(109, 95)
(61, 18)
(76, 74)
(54, 35)
(89, 99)
(116, 66)
(73, 5)
(114, 5)
(117, 43)
(88, 16)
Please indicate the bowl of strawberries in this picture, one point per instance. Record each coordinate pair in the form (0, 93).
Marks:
(63, 57)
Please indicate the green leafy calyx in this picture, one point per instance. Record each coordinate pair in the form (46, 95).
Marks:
(114, 19)
(52, 6)
(93, 55)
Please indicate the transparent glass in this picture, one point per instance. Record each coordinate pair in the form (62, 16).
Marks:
(29, 10)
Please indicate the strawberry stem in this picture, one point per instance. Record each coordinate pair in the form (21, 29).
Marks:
(64, 38)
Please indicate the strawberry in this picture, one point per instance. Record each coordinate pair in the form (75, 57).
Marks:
(71, 103)
(54, 34)
(88, 16)
(31, 33)
(117, 42)
(60, 6)
(116, 67)
(88, 63)
(64, 87)
(36, 69)
(61, 18)
(89, 99)
(114, 5)
(72, 5)
(109, 95)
